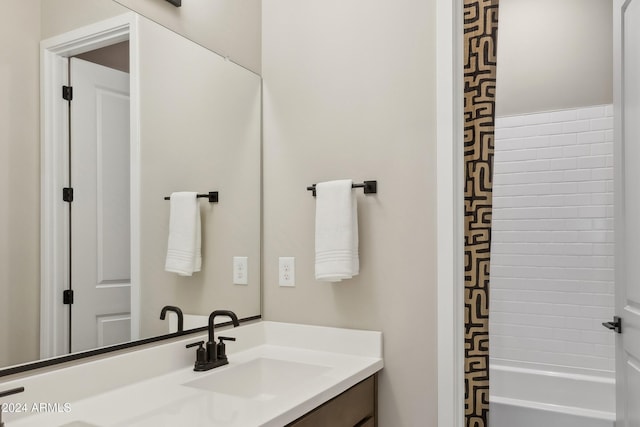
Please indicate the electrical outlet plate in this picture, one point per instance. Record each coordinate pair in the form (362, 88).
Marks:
(287, 271)
(240, 270)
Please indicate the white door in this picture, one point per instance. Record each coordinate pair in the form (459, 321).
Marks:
(100, 211)
(627, 208)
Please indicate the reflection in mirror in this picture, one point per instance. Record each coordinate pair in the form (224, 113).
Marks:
(236, 33)
(190, 123)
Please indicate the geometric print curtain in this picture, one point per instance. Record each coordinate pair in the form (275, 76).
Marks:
(480, 37)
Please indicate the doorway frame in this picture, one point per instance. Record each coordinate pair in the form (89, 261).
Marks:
(54, 119)
(450, 212)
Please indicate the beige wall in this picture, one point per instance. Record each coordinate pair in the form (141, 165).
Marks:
(349, 92)
(60, 16)
(229, 27)
(554, 55)
(199, 131)
(20, 182)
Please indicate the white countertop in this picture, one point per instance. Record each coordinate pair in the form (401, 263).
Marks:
(337, 359)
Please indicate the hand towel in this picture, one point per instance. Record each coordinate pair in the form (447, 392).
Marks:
(336, 231)
(183, 249)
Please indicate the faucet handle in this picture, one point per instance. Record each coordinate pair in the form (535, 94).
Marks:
(193, 344)
(222, 351)
(201, 354)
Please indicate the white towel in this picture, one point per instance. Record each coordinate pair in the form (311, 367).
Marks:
(183, 249)
(336, 231)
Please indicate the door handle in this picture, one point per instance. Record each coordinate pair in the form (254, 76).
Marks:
(616, 325)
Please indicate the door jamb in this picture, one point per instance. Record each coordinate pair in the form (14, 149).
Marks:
(619, 216)
(450, 217)
(54, 271)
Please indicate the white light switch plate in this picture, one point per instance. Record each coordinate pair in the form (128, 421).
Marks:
(287, 271)
(240, 270)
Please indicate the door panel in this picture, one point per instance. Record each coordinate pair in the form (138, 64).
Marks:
(114, 259)
(627, 207)
(112, 328)
(632, 418)
(100, 230)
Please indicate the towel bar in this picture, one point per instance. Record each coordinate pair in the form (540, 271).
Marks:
(212, 196)
(370, 187)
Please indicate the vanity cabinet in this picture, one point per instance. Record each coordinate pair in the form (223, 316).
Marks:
(356, 407)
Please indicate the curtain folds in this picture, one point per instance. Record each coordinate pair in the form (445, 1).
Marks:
(480, 40)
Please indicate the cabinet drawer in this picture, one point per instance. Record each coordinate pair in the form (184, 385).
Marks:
(349, 409)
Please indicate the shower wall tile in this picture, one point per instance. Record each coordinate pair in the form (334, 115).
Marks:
(564, 139)
(581, 150)
(576, 126)
(603, 123)
(552, 243)
(565, 116)
(591, 113)
(591, 137)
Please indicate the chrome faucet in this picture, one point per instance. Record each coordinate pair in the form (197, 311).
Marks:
(213, 354)
(9, 393)
(177, 311)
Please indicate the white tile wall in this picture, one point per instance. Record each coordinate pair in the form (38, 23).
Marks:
(552, 243)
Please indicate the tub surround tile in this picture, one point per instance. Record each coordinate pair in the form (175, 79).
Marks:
(552, 251)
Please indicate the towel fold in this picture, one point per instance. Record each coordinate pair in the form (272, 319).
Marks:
(336, 231)
(183, 249)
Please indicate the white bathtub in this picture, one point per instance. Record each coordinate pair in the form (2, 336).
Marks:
(535, 398)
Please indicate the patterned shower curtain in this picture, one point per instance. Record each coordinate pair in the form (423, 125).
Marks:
(480, 37)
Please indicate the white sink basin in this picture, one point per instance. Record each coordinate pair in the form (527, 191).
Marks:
(260, 379)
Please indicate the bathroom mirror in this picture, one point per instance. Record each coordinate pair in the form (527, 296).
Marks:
(196, 127)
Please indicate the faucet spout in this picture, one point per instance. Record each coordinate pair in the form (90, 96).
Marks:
(213, 355)
(177, 311)
(213, 315)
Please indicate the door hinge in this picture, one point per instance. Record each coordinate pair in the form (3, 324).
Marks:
(67, 194)
(67, 93)
(616, 325)
(67, 296)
